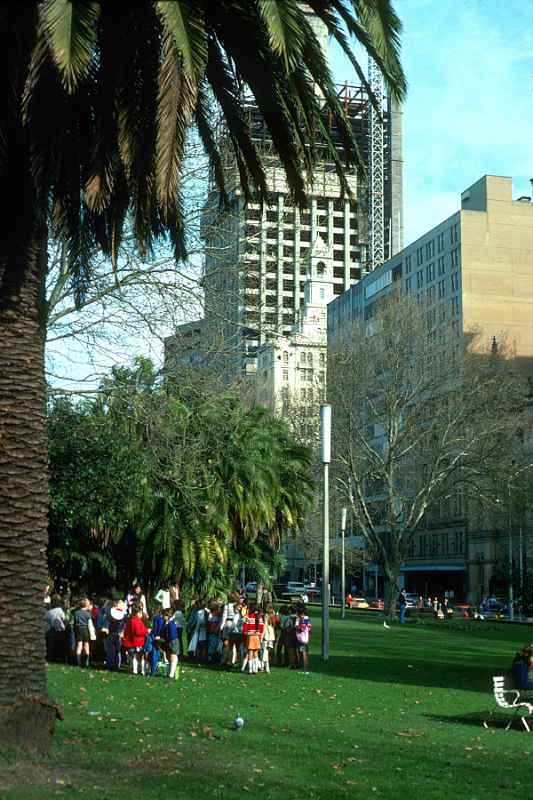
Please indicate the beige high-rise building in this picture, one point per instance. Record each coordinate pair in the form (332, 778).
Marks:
(475, 270)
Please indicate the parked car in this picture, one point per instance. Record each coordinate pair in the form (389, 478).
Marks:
(291, 590)
(359, 602)
(412, 599)
(377, 602)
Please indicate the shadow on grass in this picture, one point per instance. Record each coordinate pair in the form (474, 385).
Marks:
(488, 719)
(409, 671)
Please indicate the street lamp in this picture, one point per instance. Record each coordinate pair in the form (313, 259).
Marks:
(510, 600)
(325, 453)
(343, 563)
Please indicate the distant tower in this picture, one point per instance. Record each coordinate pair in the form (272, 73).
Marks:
(318, 289)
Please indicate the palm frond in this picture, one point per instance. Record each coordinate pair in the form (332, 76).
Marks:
(282, 20)
(185, 25)
(176, 100)
(71, 30)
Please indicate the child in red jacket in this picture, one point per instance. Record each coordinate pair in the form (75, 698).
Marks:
(135, 634)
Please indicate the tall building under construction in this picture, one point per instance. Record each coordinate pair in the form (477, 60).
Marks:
(255, 257)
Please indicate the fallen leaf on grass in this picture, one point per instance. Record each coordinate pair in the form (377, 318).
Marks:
(338, 768)
(208, 732)
(409, 733)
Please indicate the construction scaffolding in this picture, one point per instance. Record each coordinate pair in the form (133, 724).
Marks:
(376, 175)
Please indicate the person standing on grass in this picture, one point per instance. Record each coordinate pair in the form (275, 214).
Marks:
(158, 623)
(290, 638)
(213, 632)
(179, 618)
(226, 628)
(169, 636)
(303, 637)
(135, 634)
(82, 618)
(55, 630)
(522, 671)
(402, 602)
(252, 629)
(269, 637)
(113, 630)
(136, 597)
(282, 658)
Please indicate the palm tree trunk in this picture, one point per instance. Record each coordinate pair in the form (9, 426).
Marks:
(27, 715)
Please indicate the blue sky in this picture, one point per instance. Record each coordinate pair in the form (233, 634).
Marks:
(469, 109)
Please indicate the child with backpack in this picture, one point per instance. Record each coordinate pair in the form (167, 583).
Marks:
(154, 642)
(303, 635)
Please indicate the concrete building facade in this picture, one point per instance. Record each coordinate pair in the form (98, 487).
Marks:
(475, 270)
(254, 268)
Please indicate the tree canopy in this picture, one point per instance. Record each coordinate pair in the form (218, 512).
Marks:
(170, 482)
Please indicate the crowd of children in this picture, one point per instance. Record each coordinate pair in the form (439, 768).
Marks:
(228, 633)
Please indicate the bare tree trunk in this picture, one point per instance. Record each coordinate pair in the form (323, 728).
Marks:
(27, 715)
(391, 573)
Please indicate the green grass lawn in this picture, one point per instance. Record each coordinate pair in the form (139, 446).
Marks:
(395, 712)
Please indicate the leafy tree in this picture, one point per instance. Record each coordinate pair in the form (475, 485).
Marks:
(170, 483)
(421, 416)
(99, 100)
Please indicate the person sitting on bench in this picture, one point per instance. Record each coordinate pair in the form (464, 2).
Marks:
(522, 669)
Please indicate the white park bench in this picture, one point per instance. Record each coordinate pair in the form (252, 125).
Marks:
(510, 699)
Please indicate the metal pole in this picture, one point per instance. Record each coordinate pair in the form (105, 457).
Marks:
(510, 545)
(343, 564)
(325, 446)
(521, 572)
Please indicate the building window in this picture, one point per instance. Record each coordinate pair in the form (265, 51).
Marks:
(441, 266)
(407, 264)
(454, 233)
(455, 258)
(440, 242)
(431, 295)
(303, 357)
(441, 289)
(419, 256)
(430, 272)
(455, 306)
(419, 279)
(430, 249)
(285, 375)
(285, 357)
(455, 281)
(322, 359)
(322, 294)
(408, 284)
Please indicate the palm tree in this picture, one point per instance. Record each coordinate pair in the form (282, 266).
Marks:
(98, 100)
